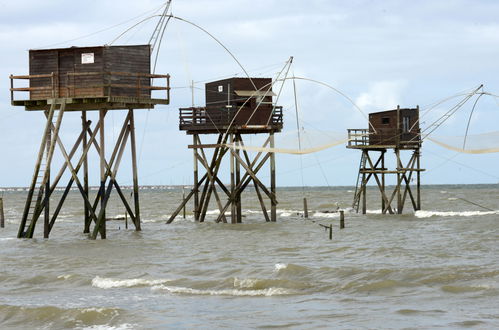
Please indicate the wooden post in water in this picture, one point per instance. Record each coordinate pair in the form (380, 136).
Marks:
(305, 208)
(102, 158)
(273, 205)
(330, 231)
(183, 198)
(2, 217)
(86, 228)
(196, 178)
(135, 172)
(342, 219)
(46, 217)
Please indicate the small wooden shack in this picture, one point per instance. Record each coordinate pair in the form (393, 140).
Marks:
(398, 128)
(239, 104)
(399, 131)
(84, 79)
(118, 76)
(394, 127)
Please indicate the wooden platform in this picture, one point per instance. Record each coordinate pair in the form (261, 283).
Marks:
(91, 103)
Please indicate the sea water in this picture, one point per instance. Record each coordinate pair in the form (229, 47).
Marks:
(434, 268)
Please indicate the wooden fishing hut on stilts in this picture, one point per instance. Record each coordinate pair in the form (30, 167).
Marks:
(82, 79)
(396, 130)
(235, 107)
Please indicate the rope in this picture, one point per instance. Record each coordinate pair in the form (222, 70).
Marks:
(469, 119)
(102, 30)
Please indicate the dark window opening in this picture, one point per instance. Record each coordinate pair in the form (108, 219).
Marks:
(385, 120)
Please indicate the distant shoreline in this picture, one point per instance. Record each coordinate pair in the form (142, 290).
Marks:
(172, 187)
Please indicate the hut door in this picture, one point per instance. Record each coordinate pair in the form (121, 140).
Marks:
(66, 65)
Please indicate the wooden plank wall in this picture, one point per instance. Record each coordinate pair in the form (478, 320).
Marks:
(388, 133)
(87, 85)
(128, 59)
(133, 59)
(216, 101)
(41, 62)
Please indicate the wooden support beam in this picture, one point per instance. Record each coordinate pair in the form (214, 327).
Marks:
(86, 190)
(196, 180)
(101, 225)
(257, 190)
(135, 171)
(184, 201)
(273, 202)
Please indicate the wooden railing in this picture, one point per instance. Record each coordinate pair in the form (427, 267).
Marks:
(200, 117)
(358, 137)
(99, 83)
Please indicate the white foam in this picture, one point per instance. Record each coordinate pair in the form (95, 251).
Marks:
(64, 277)
(245, 283)
(223, 292)
(325, 215)
(108, 283)
(123, 326)
(280, 266)
(427, 214)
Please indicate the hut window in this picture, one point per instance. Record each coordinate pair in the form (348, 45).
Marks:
(385, 120)
(405, 124)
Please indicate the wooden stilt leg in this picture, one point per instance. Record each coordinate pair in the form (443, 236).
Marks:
(86, 228)
(102, 229)
(364, 186)
(383, 194)
(46, 222)
(399, 180)
(135, 172)
(238, 180)
(273, 205)
(233, 209)
(418, 178)
(196, 179)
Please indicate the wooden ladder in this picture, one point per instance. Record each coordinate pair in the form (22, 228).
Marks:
(40, 181)
(358, 190)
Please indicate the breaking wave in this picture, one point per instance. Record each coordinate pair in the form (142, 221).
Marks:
(108, 283)
(428, 214)
(267, 292)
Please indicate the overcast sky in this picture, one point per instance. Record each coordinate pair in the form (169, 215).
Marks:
(379, 53)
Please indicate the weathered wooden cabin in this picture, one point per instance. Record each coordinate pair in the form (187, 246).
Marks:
(113, 77)
(397, 130)
(398, 127)
(82, 79)
(238, 104)
(234, 107)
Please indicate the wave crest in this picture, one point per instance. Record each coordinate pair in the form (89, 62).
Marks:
(108, 283)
